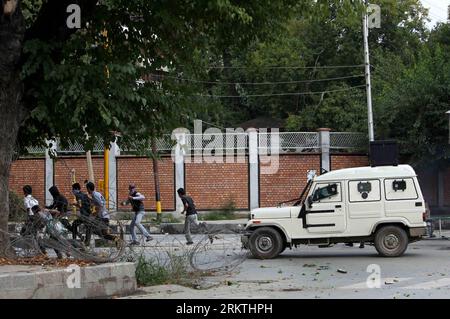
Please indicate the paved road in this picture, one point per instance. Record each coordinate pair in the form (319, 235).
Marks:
(312, 272)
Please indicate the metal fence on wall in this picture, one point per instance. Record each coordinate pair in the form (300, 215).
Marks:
(282, 142)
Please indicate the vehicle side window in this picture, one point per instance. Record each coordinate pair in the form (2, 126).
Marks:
(364, 190)
(400, 188)
(327, 192)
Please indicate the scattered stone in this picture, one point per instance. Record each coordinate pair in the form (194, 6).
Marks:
(309, 265)
(323, 267)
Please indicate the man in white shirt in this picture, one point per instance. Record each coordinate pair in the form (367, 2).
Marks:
(29, 201)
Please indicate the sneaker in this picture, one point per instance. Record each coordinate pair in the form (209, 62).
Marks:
(189, 243)
(134, 243)
(149, 238)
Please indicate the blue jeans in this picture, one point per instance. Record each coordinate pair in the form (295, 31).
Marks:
(137, 222)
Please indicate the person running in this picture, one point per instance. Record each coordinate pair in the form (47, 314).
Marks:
(29, 202)
(136, 200)
(191, 216)
(59, 206)
(43, 217)
(99, 204)
(83, 203)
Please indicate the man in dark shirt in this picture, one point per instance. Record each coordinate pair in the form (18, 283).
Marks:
(60, 205)
(191, 216)
(84, 205)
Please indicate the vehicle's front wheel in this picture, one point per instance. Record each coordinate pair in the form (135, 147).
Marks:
(391, 241)
(265, 243)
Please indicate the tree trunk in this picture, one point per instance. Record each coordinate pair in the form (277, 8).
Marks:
(12, 111)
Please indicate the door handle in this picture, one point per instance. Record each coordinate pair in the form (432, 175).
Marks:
(338, 206)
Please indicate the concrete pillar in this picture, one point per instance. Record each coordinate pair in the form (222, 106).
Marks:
(324, 143)
(180, 152)
(253, 168)
(114, 152)
(49, 171)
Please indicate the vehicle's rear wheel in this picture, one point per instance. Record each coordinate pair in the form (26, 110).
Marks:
(266, 243)
(391, 241)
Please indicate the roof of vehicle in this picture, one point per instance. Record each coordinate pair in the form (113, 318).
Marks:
(368, 172)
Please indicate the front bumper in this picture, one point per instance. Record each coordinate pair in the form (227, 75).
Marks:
(245, 238)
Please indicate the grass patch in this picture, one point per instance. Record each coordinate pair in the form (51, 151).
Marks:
(226, 212)
(217, 215)
(175, 270)
(170, 219)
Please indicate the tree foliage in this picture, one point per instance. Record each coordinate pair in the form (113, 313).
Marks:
(87, 84)
(411, 100)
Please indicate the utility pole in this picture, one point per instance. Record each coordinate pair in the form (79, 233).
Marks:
(90, 167)
(367, 67)
(156, 178)
(106, 175)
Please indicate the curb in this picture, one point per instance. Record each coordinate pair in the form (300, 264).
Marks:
(101, 281)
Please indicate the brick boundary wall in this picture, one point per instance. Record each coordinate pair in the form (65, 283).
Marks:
(28, 171)
(139, 170)
(290, 179)
(213, 185)
(62, 176)
(340, 161)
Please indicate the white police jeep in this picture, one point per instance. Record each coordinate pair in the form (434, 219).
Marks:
(382, 205)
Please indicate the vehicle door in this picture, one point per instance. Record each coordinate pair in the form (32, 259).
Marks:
(326, 210)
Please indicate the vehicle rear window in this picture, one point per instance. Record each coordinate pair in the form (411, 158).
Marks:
(400, 188)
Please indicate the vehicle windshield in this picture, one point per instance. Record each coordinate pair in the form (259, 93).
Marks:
(300, 200)
(305, 191)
